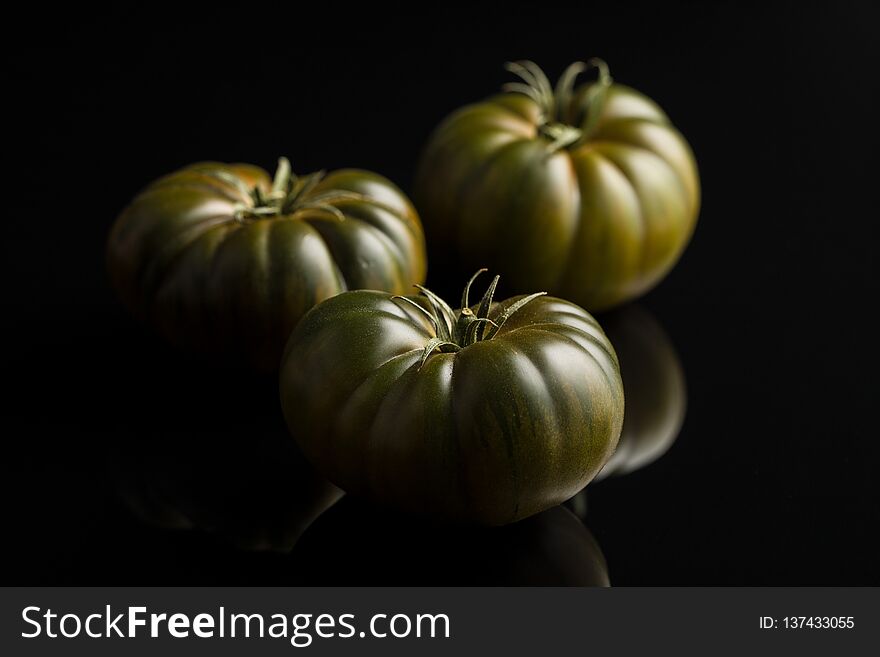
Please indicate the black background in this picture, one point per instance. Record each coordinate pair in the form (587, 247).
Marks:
(773, 479)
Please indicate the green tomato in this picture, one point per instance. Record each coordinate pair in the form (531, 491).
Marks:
(487, 414)
(588, 192)
(224, 261)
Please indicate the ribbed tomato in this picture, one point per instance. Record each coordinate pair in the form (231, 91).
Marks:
(587, 192)
(488, 414)
(224, 261)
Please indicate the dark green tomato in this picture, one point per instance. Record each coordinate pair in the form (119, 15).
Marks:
(224, 261)
(488, 428)
(587, 192)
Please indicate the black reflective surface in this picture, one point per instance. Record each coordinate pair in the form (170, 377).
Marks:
(213, 454)
(127, 464)
(354, 544)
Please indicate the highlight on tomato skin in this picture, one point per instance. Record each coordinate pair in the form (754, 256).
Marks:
(587, 191)
(486, 414)
(223, 260)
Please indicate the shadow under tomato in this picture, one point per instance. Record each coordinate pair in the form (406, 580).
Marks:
(354, 543)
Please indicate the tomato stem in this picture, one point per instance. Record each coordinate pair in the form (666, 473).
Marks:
(455, 330)
(291, 195)
(561, 135)
(562, 122)
(282, 177)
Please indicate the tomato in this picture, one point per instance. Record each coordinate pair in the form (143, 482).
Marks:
(551, 548)
(588, 192)
(655, 388)
(487, 414)
(224, 261)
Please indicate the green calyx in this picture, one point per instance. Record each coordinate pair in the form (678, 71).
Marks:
(455, 330)
(290, 196)
(561, 124)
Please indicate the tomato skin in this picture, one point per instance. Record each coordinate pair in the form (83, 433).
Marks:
(233, 289)
(496, 432)
(599, 223)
